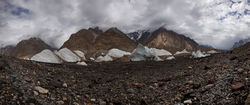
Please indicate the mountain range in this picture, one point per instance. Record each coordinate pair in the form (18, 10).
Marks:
(240, 43)
(94, 42)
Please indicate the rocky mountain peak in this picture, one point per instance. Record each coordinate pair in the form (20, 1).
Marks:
(169, 40)
(28, 48)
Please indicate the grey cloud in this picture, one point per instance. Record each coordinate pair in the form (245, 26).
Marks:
(55, 20)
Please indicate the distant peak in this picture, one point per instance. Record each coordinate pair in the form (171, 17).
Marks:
(113, 29)
(32, 39)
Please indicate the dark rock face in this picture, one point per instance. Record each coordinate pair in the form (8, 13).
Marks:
(28, 48)
(169, 40)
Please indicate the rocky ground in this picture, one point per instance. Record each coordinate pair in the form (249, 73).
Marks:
(218, 79)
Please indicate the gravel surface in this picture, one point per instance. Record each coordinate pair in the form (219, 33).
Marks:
(218, 79)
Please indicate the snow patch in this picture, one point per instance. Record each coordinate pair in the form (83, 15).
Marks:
(181, 52)
(67, 55)
(117, 53)
(46, 56)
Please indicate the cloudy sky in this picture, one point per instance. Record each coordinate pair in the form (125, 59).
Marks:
(214, 22)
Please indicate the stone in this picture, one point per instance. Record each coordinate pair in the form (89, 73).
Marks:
(102, 102)
(28, 79)
(209, 86)
(55, 83)
(240, 70)
(210, 81)
(237, 86)
(247, 102)
(59, 102)
(161, 84)
(190, 67)
(32, 104)
(190, 82)
(65, 85)
(196, 85)
(207, 67)
(41, 90)
(130, 90)
(64, 98)
(75, 103)
(35, 93)
(93, 100)
(188, 101)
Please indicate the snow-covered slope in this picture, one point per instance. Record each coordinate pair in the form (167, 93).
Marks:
(137, 35)
(46, 56)
(67, 55)
(117, 53)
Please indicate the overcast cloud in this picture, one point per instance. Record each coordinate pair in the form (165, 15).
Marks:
(214, 22)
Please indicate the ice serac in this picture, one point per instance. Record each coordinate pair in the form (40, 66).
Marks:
(159, 52)
(117, 53)
(105, 58)
(181, 52)
(199, 54)
(82, 63)
(80, 54)
(169, 40)
(28, 48)
(67, 55)
(141, 53)
(46, 56)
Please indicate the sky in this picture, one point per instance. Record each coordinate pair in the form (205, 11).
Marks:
(218, 23)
